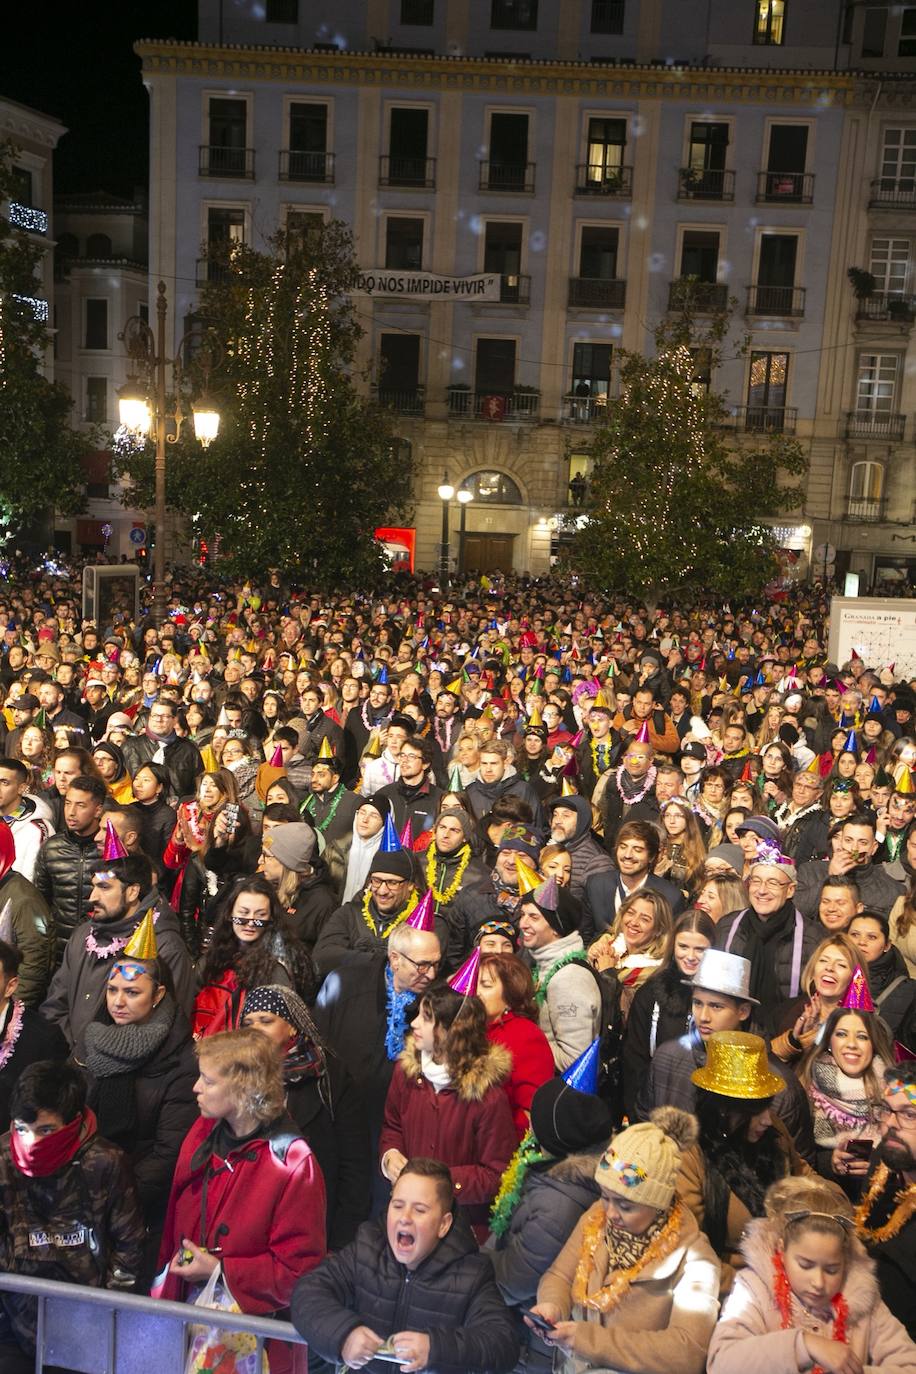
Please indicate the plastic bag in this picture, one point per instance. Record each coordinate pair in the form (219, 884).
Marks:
(221, 1352)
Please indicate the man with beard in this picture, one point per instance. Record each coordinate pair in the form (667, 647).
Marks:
(372, 714)
(414, 796)
(571, 825)
(630, 791)
(497, 778)
(450, 866)
(495, 897)
(886, 1216)
(329, 806)
(854, 855)
(635, 854)
(366, 921)
(119, 898)
(447, 722)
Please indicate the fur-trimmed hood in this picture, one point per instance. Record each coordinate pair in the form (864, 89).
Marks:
(578, 1168)
(860, 1288)
(487, 1072)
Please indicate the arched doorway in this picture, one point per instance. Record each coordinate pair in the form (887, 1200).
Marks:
(489, 550)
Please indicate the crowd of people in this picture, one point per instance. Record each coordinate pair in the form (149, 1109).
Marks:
(509, 978)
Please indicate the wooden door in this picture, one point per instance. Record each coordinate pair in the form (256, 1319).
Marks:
(488, 552)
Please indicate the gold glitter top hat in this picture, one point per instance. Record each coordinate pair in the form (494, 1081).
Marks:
(736, 1066)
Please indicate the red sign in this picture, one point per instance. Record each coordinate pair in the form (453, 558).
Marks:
(400, 546)
(493, 407)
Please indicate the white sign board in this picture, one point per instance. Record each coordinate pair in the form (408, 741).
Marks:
(882, 631)
(426, 286)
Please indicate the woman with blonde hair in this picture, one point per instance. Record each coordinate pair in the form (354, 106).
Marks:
(637, 943)
(247, 1196)
(825, 980)
(720, 894)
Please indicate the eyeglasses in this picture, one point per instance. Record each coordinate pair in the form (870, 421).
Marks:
(905, 1115)
(378, 883)
(249, 922)
(422, 965)
(767, 884)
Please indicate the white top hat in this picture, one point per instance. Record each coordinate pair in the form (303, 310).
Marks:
(725, 973)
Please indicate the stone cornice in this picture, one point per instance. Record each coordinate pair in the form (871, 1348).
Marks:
(20, 122)
(501, 76)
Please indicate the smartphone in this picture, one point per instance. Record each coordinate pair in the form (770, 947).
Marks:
(859, 1149)
(539, 1323)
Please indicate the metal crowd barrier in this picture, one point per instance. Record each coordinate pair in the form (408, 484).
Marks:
(95, 1331)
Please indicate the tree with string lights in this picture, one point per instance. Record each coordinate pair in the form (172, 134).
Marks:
(674, 507)
(40, 454)
(304, 469)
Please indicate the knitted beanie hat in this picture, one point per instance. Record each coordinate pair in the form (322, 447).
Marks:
(641, 1163)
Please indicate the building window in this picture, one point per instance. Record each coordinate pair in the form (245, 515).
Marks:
(282, 12)
(308, 141)
(303, 229)
(607, 141)
(701, 376)
(408, 142)
(889, 264)
(514, 14)
(502, 253)
(225, 228)
(866, 489)
(97, 400)
(399, 371)
(707, 153)
(898, 160)
(404, 243)
(592, 370)
(770, 22)
(493, 488)
(98, 246)
(227, 154)
(786, 161)
(776, 273)
(420, 12)
(907, 44)
(766, 390)
(495, 366)
(96, 324)
(598, 253)
(507, 169)
(607, 16)
(700, 254)
(876, 384)
(874, 31)
(21, 185)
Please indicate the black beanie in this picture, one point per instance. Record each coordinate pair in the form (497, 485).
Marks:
(397, 864)
(564, 1120)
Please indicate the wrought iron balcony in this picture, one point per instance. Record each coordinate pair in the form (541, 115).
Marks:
(891, 309)
(403, 401)
(506, 176)
(514, 289)
(865, 508)
(706, 297)
(597, 293)
(875, 424)
(296, 165)
(787, 302)
(407, 171)
(594, 179)
(212, 270)
(766, 419)
(785, 187)
(493, 405)
(226, 162)
(705, 183)
(889, 194)
(585, 410)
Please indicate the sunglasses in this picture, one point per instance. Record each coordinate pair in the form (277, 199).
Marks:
(249, 922)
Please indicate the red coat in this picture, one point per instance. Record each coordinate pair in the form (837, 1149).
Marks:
(468, 1126)
(532, 1062)
(266, 1211)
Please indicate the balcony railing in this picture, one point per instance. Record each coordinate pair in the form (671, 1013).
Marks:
(785, 301)
(585, 410)
(785, 187)
(766, 419)
(226, 162)
(409, 401)
(875, 424)
(493, 405)
(865, 508)
(506, 176)
(890, 194)
(705, 297)
(296, 165)
(893, 309)
(607, 16)
(705, 183)
(407, 171)
(592, 179)
(597, 293)
(28, 217)
(514, 289)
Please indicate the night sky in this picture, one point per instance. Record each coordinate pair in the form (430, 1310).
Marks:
(76, 62)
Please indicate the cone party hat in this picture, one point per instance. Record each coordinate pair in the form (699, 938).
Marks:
(582, 1073)
(421, 918)
(276, 758)
(325, 751)
(407, 835)
(528, 880)
(858, 997)
(642, 734)
(142, 944)
(904, 780)
(465, 980)
(113, 849)
(390, 842)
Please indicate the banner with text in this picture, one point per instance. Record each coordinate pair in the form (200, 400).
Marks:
(426, 286)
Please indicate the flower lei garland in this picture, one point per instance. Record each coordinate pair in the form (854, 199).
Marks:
(621, 1279)
(444, 897)
(904, 1207)
(510, 1185)
(13, 1032)
(114, 947)
(575, 956)
(383, 934)
(783, 1296)
(364, 717)
(637, 796)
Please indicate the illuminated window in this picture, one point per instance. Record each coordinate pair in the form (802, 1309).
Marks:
(770, 22)
(493, 488)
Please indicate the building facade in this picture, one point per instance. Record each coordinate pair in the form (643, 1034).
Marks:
(528, 182)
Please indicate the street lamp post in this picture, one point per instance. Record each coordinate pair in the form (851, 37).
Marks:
(446, 492)
(144, 408)
(465, 497)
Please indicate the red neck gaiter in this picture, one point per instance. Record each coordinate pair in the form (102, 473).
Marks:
(52, 1152)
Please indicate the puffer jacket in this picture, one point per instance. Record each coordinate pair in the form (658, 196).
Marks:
(467, 1125)
(749, 1338)
(182, 759)
(33, 932)
(451, 1297)
(63, 877)
(586, 854)
(90, 1203)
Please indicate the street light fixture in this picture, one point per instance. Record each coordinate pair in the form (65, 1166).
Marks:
(465, 497)
(146, 409)
(446, 492)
